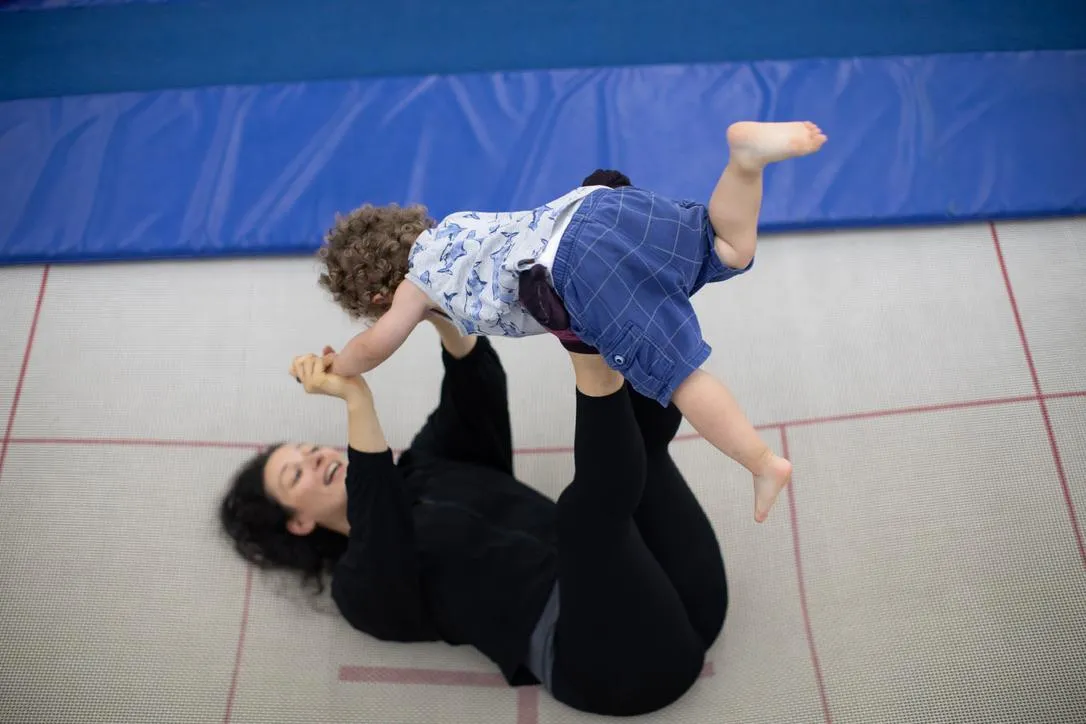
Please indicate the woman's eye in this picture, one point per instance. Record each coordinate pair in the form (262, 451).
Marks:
(297, 475)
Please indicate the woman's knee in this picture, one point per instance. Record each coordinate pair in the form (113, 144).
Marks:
(631, 691)
(708, 612)
(717, 613)
(593, 516)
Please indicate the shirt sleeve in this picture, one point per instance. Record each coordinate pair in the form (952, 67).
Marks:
(377, 581)
(471, 422)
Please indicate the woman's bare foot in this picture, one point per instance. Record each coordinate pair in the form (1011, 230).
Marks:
(754, 145)
(776, 474)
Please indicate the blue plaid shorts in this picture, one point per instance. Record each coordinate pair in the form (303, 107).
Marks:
(625, 269)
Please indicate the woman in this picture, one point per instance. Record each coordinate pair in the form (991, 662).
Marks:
(610, 597)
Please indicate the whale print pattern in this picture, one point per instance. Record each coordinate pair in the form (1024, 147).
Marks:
(470, 262)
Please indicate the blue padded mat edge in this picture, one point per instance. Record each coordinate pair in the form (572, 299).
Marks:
(250, 170)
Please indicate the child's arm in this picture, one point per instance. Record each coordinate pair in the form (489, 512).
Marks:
(369, 349)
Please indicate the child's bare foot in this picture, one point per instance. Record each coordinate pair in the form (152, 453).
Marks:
(776, 474)
(754, 145)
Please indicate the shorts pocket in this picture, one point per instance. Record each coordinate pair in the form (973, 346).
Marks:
(641, 361)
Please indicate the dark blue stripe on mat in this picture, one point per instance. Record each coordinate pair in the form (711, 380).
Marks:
(258, 170)
(195, 43)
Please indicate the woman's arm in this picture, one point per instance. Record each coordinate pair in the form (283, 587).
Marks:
(377, 581)
(364, 432)
(471, 422)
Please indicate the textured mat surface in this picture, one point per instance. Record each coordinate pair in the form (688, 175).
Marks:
(926, 566)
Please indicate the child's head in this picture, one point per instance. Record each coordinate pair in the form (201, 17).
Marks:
(365, 256)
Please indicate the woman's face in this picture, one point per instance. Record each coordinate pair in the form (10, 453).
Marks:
(311, 481)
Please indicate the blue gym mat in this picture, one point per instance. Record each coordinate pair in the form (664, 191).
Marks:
(173, 128)
(264, 169)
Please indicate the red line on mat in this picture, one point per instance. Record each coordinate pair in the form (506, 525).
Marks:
(436, 677)
(527, 696)
(528, 705)
(1063, 395)
(685, 437)
(803, 588)
(22, 370)
(136, 442)
(873, 414)
(432, 677)
(1070, 502)
(241, 646)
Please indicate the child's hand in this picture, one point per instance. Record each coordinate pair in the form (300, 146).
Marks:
(312, 371)
(328, 356)
(336, 364)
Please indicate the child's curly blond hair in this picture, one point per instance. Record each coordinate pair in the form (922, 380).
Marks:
(365, 256)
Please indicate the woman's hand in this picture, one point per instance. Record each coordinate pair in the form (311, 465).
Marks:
(313, 372)
(363, 428)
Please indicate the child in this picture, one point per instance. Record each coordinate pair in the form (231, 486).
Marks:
(606, 269)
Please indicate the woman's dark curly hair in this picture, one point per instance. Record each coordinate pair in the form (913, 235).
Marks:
(257, 524)
(365, 255)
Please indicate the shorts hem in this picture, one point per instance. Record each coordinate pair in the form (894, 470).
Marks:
(683, 370)
(719, 270)
(647, 368)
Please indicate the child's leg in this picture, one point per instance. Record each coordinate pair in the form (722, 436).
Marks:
(737, 198)
(714, 413)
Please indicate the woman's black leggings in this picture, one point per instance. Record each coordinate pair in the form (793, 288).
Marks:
(642, 589)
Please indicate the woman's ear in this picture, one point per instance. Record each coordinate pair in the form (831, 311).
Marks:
(378, 298)
(300, 526)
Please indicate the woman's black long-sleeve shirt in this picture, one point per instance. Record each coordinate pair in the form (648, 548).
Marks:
(445, 544)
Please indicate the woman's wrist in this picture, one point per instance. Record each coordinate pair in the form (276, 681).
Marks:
(364, 432)
(358, 398)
